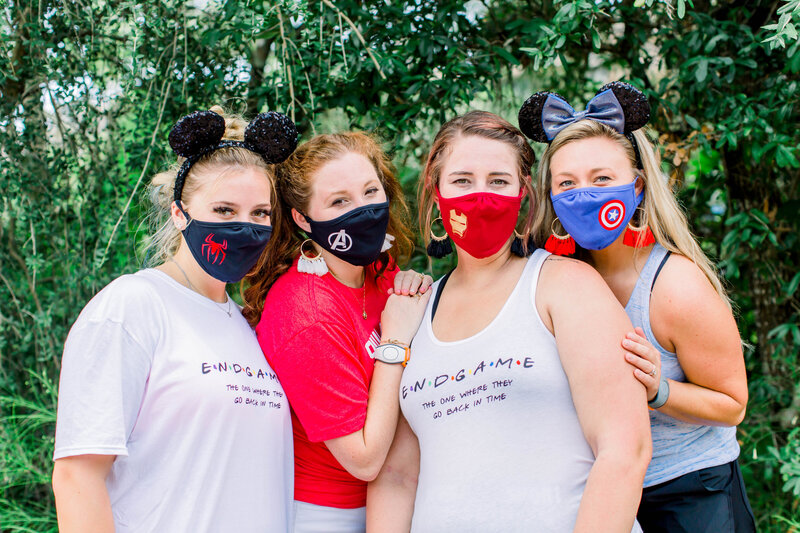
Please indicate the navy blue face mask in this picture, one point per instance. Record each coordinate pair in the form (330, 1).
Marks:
(225, 250)
(355, 237)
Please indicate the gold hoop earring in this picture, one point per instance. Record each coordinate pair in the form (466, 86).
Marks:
(556, 235)
(303, 253)
(311, 265)
(638, 228)
(433, 235)
(439, 246)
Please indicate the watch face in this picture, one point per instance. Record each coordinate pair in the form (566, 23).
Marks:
(391, 353)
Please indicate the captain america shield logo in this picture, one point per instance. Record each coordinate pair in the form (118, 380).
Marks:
(612, 214)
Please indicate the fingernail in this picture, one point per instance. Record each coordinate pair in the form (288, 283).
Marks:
(626, 343)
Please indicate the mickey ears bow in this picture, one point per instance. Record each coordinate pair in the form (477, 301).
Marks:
(271, 135)
(618, 105)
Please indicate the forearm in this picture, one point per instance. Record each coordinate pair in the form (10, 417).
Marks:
(698, 405)
(362, 453)
(390, 498)
(383, 410)
(82, 502)
(612, 493)
(390, 502)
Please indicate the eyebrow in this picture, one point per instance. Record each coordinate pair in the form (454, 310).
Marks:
(468, 173)
(592, 171)
(344, 192)
(232, 204)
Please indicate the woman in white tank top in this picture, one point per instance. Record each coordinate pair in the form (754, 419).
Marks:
(520, 413)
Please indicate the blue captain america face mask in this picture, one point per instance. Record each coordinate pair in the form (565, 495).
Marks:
(596, 216)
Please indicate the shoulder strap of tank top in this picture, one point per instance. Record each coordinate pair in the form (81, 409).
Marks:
(658, 270)
(439, 294)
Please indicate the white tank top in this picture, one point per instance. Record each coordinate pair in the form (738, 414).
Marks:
(501, 448)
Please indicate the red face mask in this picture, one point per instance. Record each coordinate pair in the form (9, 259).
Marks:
(480, 223)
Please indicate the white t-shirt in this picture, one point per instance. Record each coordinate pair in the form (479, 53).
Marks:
(180, 392)
(501, 447)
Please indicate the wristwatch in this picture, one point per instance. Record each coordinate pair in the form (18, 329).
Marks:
(661, 396)
(392, 352)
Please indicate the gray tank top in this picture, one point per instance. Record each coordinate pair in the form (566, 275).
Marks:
(501, 448)
(678, 447)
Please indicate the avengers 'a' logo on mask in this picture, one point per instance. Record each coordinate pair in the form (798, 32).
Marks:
(340, 241)
(458, 223)
(612, 214)
(214, 248)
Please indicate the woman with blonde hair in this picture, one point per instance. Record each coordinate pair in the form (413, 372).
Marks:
(335, 319)
(603, 188)
(169, 419)
(516, 401)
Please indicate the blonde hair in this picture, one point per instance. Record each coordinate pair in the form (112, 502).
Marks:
(480, 124)
(166, 238)
(659, 209)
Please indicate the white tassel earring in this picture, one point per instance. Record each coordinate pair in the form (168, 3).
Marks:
(311, 265)
(387, 242)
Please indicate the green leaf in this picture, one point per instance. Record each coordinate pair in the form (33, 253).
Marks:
(702, 70)
(791, 287)
(505, 54)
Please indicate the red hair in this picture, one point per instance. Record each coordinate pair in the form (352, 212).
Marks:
(293, 186)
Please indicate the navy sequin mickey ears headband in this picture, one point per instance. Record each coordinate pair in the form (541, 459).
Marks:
(621, 106)
(271, 135)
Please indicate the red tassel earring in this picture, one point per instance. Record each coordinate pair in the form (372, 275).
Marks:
(638, 237)
(557, 244)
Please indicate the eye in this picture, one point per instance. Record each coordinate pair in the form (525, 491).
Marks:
(566, 183)
(338, 202)
(371, 191)
(602, 179)
(499, 181)
(460, 181)
(262, 213)
(222, 210)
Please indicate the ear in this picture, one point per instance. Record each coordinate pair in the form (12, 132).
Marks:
(527, 179)
(640, 184)
(273, 135)
(530, 115)
(178, 218)
(196, 132)
(300, 220)
(634, 104)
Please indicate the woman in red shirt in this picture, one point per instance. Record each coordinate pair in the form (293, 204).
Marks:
(326, 307)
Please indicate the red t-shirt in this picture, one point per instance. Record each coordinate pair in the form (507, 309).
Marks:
(314, 335)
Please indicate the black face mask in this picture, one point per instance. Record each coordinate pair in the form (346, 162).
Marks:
(355, 237)
(225, 250)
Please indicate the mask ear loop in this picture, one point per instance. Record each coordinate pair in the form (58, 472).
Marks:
(188, 218)
(638, 236)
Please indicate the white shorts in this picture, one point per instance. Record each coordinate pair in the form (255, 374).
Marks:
(310, 518)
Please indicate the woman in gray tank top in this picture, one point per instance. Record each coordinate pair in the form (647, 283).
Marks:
(607, 193)
(517, 402)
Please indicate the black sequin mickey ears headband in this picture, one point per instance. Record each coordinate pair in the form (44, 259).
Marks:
(271, 135)
(618, 105)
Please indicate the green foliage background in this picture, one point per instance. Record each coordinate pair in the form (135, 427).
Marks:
(90, 88)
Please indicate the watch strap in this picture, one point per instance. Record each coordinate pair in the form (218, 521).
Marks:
(661, 396)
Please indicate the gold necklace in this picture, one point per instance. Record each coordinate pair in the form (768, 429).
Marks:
(363, 292)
